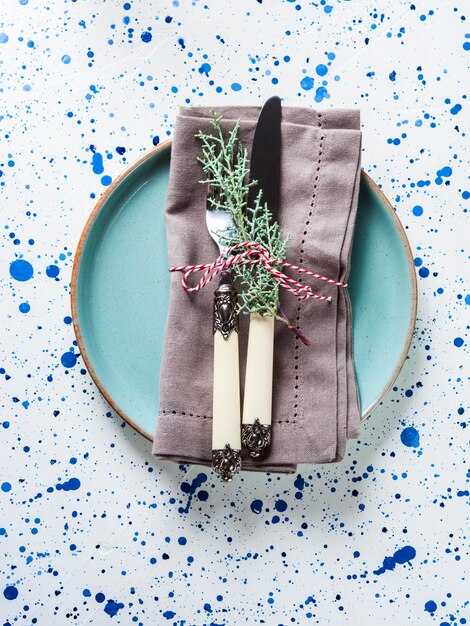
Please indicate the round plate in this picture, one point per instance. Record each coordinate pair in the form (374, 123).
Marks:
(120, 292)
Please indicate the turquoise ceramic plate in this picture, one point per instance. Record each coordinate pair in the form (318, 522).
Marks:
(120, 288)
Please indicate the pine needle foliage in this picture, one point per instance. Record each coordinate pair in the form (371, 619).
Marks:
(225, 162)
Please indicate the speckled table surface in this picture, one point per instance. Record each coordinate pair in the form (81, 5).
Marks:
(92, 528)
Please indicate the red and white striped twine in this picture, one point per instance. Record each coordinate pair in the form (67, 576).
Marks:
(254, 253)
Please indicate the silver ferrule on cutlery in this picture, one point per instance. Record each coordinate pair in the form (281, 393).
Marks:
(226, 418)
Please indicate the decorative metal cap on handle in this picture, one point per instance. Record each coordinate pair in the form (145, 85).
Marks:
(226, 462)
(225, 306)
(256, 438)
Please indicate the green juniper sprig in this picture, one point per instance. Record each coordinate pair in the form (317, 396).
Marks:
(225, 163)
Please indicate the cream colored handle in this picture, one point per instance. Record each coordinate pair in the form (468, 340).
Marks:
(259, 371)
(226, 400)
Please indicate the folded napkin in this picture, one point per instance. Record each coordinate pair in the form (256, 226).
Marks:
(315, 400)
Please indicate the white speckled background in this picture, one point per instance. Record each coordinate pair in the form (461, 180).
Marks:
(92, 529)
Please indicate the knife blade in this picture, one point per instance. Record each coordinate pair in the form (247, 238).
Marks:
(265, 168)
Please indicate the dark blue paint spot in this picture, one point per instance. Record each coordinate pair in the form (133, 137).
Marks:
(410, 437)
(393, 76)
(463, 493)
(70, 485)
(97, 163)
(67, 319)
(190, 490)
(100, 597)
(281, 506)
(68, 359)
(307, 83)
(458, 342)
(430, 606)
(169, 614)
(423, 272)
(21, 270)
(10, 592)
(52, 271)
(256, 506)
(205, 69)
(182, 541)
(146, 36)
(121, 150)
(24, 307)
(402, 556)
(112, 607)
(236, 87)
(5, 487)
(456, 108)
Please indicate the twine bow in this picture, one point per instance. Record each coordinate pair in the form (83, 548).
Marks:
(252, 253)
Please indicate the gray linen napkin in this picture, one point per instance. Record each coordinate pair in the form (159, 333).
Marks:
(315, 400)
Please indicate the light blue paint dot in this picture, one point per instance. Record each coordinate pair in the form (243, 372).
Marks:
(24, 307)
(23, 2)
(458, 342)
(106, 180)
(321, 69)
(417, 210)
(328, 8)
(236, 87)
(174, 89)
(445, 171)
(10, 592)
(331, 56)
(3, 37)
(68, 359)
(6, 487)
(52, 271)
(21, 270)
(66, 59)
(467, 299)
(466, 45)
(410, 437)
(456, 108)
(307, 83)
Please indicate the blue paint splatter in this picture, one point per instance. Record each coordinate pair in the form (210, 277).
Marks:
(3, 37)
(5, 487)
(321, 69)
(307, 83)
(146, 36)
(68, 359)
(430, 606)
(256, 506)
(97, 163)
(169, 614)
(66, 59)
(24, 307)
(106, 180)
(281, 506)
(321, 94)
(190, 489)
(52, 271)
(112, 607)
(21, 270)
(402, 556)
(455, 109)
(417, 210)
(10, 592)
(236, 86)
(410, 437)
(69, 485)
(205, 69)
(458, 342)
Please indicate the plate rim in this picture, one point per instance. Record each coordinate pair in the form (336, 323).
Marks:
(79, 256)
